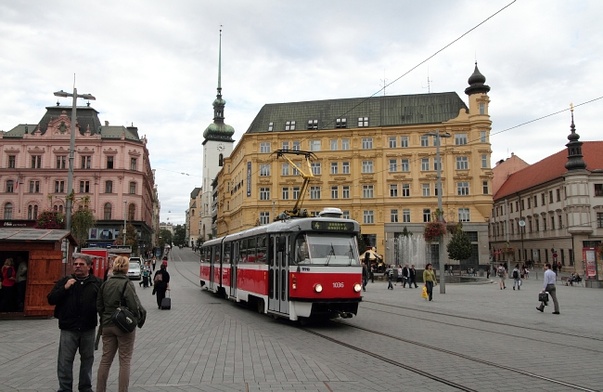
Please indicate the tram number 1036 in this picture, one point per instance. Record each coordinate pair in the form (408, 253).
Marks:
(338, 285)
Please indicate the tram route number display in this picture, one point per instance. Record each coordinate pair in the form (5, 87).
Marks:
(332, 226)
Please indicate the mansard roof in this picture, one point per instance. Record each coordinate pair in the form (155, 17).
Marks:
(382, 111)
(549, 169)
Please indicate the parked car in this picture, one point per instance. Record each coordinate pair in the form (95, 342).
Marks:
(136, 259)
(134, 271)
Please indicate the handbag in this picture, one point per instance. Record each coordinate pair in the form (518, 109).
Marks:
(123, 317)
(424, 292)
(543, 297)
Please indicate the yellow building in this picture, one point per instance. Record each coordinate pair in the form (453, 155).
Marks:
(374, 158)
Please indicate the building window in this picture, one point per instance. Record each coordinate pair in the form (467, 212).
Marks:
(403, 141)
(426, 188)
(424, 164)
(264, 193)
(312, 124)
(315, 192)
(265, 170)
(341, 123)
(367, 166)
(290, 125)
(61, 162)
(10, 186)
(32, 212)
(542, 199)
(367, 143)
(598, 189)
(315, 168)
(393, 190)
(86, 161)
(368, 216)
(296, 145)
(393, 216)
(485, 163)
(486, 190)
(426, 215)
(110, 162)
(464, 215)
(295, 171)
(315, 145)
(363, 122)
(424, 141)
(133, 162)
(265, 147)
(368, 191)
(59, 186)
(345, 167)
(482, 108)
(558, 195)
(560, 222)
(8, 211)
(462, 188)
(393, 165)
(108, 186)
(84, 186)
(552, 223)
(405, 190)
(393, 142)
(600, 220)
(437, 164)
(483, 136)
(460, 139)
(405, 165)
(462, 163)
(285, 169)
(12, 161)
(334, 144)
(345, 144)
(334, 192)
(264, 217)
(131, 211)
(285, 193)
(345, 191)
(285, 145)
(36, 161)
(132, 187)
(107, 211)
(334, 167)
(270, 126)
(34, 186)
(406, 215)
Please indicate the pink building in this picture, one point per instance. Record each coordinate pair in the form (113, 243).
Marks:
(112, 174)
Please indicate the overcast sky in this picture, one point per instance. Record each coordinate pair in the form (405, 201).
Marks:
(153, 64)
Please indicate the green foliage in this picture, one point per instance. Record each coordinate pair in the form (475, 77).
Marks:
(82, 221)
(179, 235)
(50, 220)
(165, 237)
(459, 247)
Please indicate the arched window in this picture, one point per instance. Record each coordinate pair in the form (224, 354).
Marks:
(131, 211)
(58, 208)
(107, 211)
(32, 212)
(8, 211)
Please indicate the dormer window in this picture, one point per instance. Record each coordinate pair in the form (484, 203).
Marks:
(363, 122)
(341, 123)
(312, 124)
(270, 126)
(290, 125)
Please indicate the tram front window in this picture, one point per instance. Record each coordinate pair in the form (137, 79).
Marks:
(327, 250)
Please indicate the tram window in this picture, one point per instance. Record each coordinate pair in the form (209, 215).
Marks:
(227, 252)
(243, 251)
(261, 249)
(301, 250)
(217, 254)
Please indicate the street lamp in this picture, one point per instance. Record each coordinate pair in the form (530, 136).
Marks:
(522, 225)
(69, 203)
(437, 138)
(125, 216)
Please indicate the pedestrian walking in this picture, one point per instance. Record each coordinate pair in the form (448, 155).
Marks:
(115, 292)
(365, 277)
(161, 282)
(413, 277)
(399, 278)
(74, 297)
(390, 277)
(549, 286)
(429, 278)
(501, 271)
(516, 277)
(405, 276)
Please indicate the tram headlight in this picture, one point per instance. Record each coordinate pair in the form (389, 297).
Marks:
(357, 287)
(318, 288)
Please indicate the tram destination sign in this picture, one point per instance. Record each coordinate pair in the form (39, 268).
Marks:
(332, 226)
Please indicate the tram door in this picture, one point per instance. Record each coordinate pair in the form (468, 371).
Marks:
(232, 249)
(212, 261)
(278, 294)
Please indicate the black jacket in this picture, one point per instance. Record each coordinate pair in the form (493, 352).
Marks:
(76, 307)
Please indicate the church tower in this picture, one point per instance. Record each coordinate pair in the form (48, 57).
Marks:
(217, 145)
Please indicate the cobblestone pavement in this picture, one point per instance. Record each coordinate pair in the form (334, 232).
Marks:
(206, 343)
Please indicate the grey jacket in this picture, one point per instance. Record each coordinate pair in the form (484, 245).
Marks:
(109, 298)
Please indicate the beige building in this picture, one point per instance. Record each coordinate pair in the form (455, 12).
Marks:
(375, 159)
(193, 218)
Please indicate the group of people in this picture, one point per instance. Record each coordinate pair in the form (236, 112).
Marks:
(403, 275)
(12, 285)
(83, 302)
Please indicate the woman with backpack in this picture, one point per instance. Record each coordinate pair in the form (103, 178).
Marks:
(516, 277)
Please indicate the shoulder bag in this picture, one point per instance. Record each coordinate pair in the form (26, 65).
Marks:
(123, 317)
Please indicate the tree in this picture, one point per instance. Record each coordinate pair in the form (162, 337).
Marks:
(81, 222)
(165, 237)
(180, 235)
(50, 220)
(459, 247)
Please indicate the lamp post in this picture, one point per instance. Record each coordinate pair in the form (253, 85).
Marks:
(68, 205)
(437, 138)
(125, 216)
(522, 225)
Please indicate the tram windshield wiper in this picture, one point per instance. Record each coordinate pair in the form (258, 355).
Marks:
(331, 253)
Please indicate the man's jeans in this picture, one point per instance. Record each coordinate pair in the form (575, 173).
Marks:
(69, 343)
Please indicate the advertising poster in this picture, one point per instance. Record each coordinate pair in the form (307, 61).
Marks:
(590, 259)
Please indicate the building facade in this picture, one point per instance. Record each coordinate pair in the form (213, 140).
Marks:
(373, 158)
(112, 175)
(552, 211)
(193, 218)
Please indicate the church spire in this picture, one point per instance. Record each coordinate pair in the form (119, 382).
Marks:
(574, 148)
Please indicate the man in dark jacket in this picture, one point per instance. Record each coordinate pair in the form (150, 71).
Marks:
(75, 300)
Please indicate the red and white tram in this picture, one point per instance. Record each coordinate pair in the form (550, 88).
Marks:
(297, 268)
